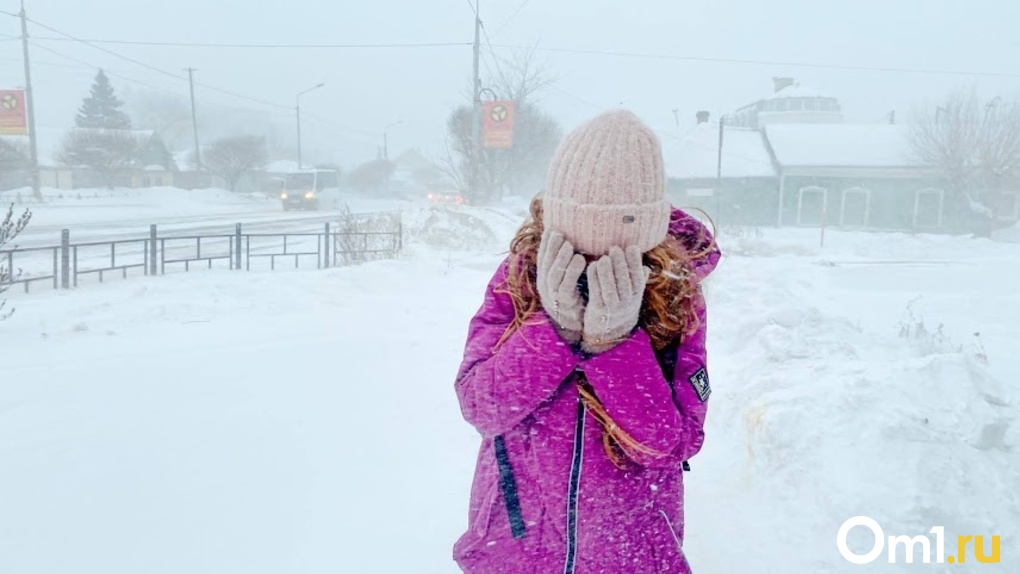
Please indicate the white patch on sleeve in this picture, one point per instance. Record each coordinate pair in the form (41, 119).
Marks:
(700, 382)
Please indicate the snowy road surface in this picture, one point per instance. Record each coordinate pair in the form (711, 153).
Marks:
(305, 421)
(128, 214)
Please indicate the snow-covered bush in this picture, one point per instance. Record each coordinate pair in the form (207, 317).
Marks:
(366, 237)
(9, 229)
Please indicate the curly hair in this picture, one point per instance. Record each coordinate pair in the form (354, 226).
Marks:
(668, 310)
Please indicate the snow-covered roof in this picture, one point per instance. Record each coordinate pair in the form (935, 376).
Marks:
(797, 91)
(841, 145)
(696, 155)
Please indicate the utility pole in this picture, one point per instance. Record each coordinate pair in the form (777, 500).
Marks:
(476, 107)
(33, 144)
(676, 116)
(194, 120)
(718, 172)
(386, 139)
(298, 109)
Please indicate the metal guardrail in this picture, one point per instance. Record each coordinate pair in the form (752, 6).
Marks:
(153, 255)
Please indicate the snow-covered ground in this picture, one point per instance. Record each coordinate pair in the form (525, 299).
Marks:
(305, 421)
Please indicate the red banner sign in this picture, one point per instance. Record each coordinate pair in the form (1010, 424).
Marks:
(498, 125)
(13, 115)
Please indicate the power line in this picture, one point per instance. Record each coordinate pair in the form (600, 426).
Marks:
(94, 43)
(160, 70)
(512, 18)
(243, 97)
(771, 63)
(86, 65)
(82, 64)
(36, 62)
(495, 58)
(263, 46)
(110, 52)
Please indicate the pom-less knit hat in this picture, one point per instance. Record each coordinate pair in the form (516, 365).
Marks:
(606, 186)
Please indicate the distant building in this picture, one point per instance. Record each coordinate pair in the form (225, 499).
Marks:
(790, 160)
(154, 165)
(790, 103)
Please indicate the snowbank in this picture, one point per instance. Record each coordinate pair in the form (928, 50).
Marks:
(832, 403)
(461, 228)
(1010, 234)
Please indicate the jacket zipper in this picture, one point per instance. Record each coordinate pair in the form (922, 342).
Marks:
(573, 489)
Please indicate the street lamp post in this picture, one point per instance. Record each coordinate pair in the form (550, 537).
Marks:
(298, 108)
(386, 139)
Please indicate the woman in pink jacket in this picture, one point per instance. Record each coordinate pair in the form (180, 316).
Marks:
(585, 370)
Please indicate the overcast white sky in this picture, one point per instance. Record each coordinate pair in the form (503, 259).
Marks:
(368, 89)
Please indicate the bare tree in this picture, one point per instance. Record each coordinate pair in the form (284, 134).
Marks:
(974, 145)
(520, 169)
(999, 146)
(233, 158)
(110, 153)
(9, 230)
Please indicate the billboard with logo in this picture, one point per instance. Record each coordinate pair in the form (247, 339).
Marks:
(13, 113)
(498, 125)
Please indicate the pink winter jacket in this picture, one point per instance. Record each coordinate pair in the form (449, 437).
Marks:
(546, 499)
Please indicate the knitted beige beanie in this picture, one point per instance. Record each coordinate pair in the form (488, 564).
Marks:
(606, 186)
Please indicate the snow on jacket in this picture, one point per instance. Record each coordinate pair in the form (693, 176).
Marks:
(545, 497)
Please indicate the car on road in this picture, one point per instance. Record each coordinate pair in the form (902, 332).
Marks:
(311, 189)
(445, 197)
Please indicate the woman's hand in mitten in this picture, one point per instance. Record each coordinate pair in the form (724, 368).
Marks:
(616, 285)
(559, 269)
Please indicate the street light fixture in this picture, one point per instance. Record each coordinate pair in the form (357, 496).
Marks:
(298, 108)
(386, 140)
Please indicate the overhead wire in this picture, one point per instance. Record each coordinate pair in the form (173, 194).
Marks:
(82, 64)
(746, 61)
(499, 69)
(264, 46)
(95, 43)
(160, 70)
(110, 52)
(512, 17)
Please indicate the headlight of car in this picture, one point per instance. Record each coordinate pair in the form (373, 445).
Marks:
(283, 196)
(310, 195)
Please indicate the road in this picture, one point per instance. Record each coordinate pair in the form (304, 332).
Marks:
(49, 235)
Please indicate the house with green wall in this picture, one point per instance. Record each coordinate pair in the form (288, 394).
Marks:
(790, 160)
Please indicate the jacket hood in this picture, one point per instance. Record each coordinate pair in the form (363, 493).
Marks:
(697, 239)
